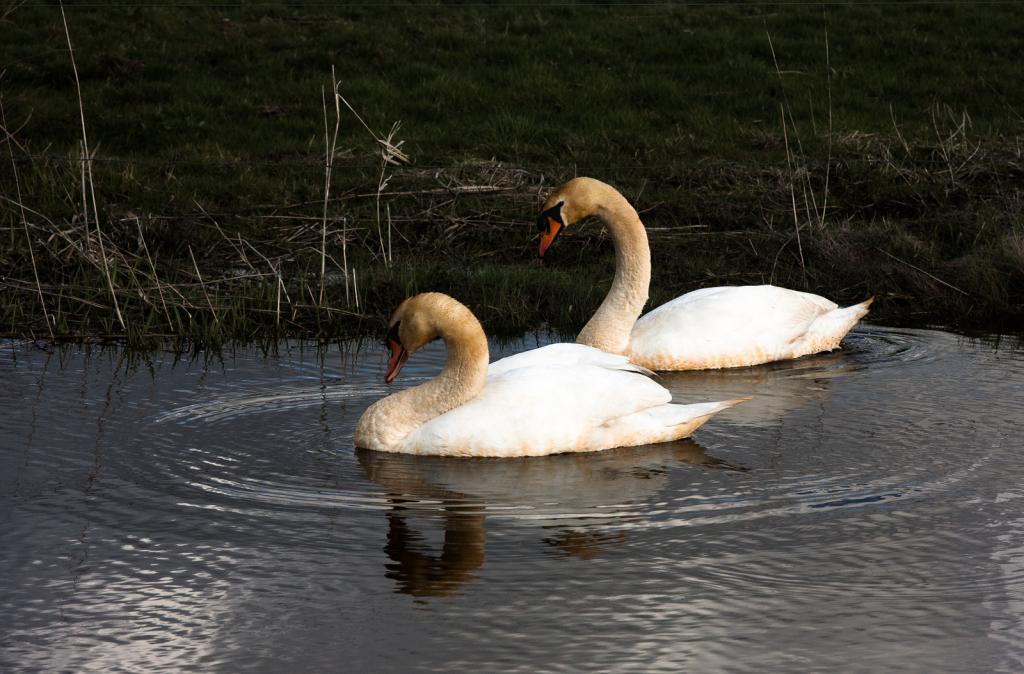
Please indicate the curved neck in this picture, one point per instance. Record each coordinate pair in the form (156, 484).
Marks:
(387, 422)
(609, 328)
(464, 371)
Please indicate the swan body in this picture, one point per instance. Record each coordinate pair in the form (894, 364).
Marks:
(727, 326)
(564, 354)
(737, 326)
(560, 398)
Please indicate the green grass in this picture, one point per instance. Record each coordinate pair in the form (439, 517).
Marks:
(562, 86)
(490, 89)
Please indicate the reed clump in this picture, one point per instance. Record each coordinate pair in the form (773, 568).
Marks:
(170, 173)
(931, 230)
(205, 275)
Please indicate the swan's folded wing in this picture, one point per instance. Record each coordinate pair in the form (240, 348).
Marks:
(710, 313)
(725, 327)
(657, 424)
(563, 354)
(537, 410)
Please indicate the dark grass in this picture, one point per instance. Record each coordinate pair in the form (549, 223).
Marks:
(923, 201)
(562, 86)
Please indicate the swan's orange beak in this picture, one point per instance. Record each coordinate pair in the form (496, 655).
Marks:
(398, 358)
(554, 227)
(550, 224)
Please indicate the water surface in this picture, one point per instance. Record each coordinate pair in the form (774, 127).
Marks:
(864, 513)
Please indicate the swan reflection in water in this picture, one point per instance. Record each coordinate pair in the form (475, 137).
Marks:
(574, 499)
(778, 388)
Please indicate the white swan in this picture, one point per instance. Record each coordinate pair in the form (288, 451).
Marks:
(559, 398)
(728, 326)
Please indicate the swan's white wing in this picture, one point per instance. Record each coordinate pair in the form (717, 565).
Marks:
(537, 410)
(562, 354)
(657, 424)
(712, 312)
(726, 327)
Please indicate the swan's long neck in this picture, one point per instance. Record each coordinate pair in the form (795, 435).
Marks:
(387, 422)
(462, 377)
(609, 328)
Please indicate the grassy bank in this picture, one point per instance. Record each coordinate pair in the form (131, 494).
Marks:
(851, 151)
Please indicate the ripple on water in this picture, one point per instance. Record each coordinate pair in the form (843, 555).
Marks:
(865, 498)
(542, 488)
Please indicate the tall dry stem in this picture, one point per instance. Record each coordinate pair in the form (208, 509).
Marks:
(828, 79)
(381, 184)
(6, 10)
(203, 286)
(792, 193)
(88, 160)
(390, 153)
(85, 200)
(942, 147)
(899, 136)
(330, 148)
(806, 182)
(156, 279)
(355, 287)
(24, 221)
(237, 249)
(277, 313)
(280, 280)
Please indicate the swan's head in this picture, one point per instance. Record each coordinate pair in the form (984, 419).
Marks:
(550, 222)
(408, 329)
(420, 320)
(570, 203)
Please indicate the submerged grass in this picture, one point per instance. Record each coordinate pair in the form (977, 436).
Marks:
(856, 151)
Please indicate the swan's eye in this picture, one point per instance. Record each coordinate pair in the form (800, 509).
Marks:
(551, 218)
(392, 335)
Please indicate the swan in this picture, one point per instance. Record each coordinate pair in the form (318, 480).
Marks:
(559, 398)
(726, 326)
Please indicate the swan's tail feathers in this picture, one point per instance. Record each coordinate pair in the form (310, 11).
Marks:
(735, 401)
(850, 314)
(639, 369)
(862, 308)
(661, 423)
(705, 411)
(685, 419)
(826, 332)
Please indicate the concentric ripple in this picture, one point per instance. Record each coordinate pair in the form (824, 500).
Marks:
(168, 515)
(557, 488)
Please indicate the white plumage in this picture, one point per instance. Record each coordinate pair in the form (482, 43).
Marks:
(704, 329)
(565, 354)
(559, 398)
(735, 326)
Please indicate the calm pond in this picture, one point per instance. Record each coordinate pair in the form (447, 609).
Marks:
(864, 513)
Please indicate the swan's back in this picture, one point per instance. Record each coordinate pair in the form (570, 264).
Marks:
(563, 354)
(537, 410)
(736, 326)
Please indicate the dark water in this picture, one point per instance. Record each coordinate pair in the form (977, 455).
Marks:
(864, 513)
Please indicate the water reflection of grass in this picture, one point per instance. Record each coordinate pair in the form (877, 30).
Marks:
(927, 93)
